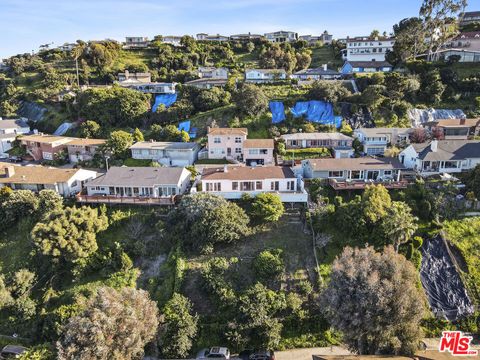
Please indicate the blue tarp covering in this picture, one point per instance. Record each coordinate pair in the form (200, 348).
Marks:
(278, 111)
(193, 133)
(300, 108)
(320, 111)
(165, 99)
(184, 125)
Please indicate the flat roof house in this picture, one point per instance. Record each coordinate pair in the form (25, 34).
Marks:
(376, 140)
(258, 151)
(66, 182)
(232, 182)
(356, 173)
(265, 75)
(282, 36)
(454, 129)
(9, 129)
(136, 42)
(166, 153)
(126, 78)
(367, 49)
(321, 73)
(340, 144)
(137, 185)
(211, 72)
(226, 143)
(207, 83)
(441, 156)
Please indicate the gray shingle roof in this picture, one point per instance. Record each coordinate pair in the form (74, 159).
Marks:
(449, 150)
(139, 176)
(164, 145)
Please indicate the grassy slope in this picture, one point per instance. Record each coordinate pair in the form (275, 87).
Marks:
(464, 234)
(324, 55)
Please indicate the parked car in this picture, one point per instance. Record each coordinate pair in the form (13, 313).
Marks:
(257, 355)
(12, 352)
(15, 159)
(214, 353)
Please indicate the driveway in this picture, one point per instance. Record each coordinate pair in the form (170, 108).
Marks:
(306, 354)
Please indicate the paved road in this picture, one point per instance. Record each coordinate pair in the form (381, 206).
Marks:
(306, 354)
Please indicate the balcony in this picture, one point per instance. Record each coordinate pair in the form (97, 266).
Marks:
(361, 184)
(129, 200)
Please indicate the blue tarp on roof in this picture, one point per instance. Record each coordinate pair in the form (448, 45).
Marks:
(184, 125)
(300, 108)
(165, 99)
(278, 111)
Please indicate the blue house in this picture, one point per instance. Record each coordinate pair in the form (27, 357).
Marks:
(351, 67)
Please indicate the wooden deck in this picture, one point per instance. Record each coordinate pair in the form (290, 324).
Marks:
(360, 184)
(129, 200)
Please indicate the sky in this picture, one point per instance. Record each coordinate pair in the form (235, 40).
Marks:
(26, 24)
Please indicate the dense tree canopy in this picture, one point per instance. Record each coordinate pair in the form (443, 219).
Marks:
(372, 298)
(267, 207)
(250, 100)
(114, 325)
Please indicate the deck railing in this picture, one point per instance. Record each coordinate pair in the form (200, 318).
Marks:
(132, 200)
(361, 184)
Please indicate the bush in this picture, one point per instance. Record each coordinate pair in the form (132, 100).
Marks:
(269, 265)
(267, 207)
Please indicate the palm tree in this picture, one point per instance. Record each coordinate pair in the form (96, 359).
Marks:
(399, 225)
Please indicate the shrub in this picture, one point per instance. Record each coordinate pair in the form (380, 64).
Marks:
(268, 265)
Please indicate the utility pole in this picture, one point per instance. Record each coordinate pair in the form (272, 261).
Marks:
(76, 67)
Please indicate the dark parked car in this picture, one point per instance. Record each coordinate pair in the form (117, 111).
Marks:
(257, 355)
(15, 159)
(12, 351)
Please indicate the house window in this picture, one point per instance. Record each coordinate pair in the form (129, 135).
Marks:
(247, 186)
(335, 174)
(387, 172)
(235, 186)
(214, 186)
(238, 140)
(356, 174)
(217, 140)
(274, 185)
(291, 185)
(259, 185)
(253, 151)
(238, 150)
(75, 183)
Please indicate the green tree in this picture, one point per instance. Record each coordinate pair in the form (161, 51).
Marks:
(114, 325)
(184, 136)
(473, 181)
(267, 207)
(203, 220)
(372, 298)
(251, 100)
(118, 143)
(69, 235)
(137, 135)
(20, 204)
(178, 327)
(328, 91)
(410, 37)
(399, 224)
(48, 201)
(269, 264)
(90, 129)
(375, 203)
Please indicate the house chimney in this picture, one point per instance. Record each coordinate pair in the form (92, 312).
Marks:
(462, 121)
(434, 145)
(225, 168)
(324, 67)
(9, 171)
(127, 74)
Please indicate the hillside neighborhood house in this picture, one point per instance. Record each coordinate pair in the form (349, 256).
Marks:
(137, 185)
(65, 182)
(340, 144)
(350, 67)
(166, 153)
(355, 173)
(453, 129)
(325, 38)
(83, 149)
(136, 42)
(210, 72)
(376, 140)
(441, 156)
(234, 181)
(321, 73)
(281, 36)
(127, 78)
(9, 129)
(368, 49)
(265, 75)
(45, 147)
(226, 142)
(258, 151)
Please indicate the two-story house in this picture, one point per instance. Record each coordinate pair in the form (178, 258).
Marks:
(441, 156)
(355, 173)
(364, 48)
(453, 129)
(265, 75)
(282, 36)
(45, 147)
(166, 153)
(136, 42)
(258, 152)
(66, 182)
(207, 37)
(137, 185)
(226, 143)
(9, 129)
(325, 38)
(232, 182)
(83, 149)
(376, 140)
(211, 72)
